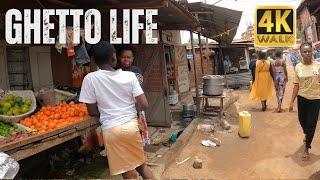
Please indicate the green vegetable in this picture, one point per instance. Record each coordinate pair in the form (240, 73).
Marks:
(6, 129)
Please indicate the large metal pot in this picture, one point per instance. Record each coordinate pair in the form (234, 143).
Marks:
(213, 85)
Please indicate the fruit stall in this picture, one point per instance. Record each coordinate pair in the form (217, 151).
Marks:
(25, 131)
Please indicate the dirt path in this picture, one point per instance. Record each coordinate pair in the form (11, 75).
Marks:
(272, 152)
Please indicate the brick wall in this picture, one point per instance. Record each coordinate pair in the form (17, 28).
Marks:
(148, 59)
(207, 67)
(153, 79)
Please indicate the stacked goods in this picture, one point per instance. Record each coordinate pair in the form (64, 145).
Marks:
(52, 117)
(14, 105)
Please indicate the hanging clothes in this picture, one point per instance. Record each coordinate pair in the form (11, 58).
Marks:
(78, 73)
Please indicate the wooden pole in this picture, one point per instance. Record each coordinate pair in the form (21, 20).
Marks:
(201, 57)
(195, 73)
(207, 48)
(208, 58)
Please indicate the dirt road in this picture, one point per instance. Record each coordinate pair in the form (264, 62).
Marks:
(272, 152)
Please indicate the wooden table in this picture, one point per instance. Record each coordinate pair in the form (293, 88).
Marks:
(29, 146)
(204, 104)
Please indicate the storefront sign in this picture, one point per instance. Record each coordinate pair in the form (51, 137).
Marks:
(190, 56)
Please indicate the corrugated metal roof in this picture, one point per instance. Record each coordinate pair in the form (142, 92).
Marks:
(311, 4)
(171, 15)
(218, 23)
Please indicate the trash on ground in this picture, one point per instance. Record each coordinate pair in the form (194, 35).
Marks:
(208, 143)
(225, 124)
(215, 140)
(173, 137)
(197, 164)
(185, 160)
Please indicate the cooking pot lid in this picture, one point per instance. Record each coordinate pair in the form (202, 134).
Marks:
(212, 77)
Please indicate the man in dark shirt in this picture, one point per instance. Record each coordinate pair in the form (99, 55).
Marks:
(252, 65)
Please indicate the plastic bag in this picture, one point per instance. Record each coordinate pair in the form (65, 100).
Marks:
(144, 128)
(47, 96)
(99, 137)
(8, 166)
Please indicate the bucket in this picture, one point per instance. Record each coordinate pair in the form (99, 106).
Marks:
(173, 98)
(188, 110)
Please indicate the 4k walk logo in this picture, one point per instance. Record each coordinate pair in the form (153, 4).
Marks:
(275, 26)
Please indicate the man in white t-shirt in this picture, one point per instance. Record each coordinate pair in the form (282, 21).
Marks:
(111, 95)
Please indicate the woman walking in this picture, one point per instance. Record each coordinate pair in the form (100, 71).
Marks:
(281, 78)
(263, 86)
(307, 89)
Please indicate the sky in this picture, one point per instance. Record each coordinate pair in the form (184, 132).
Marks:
(246, 6)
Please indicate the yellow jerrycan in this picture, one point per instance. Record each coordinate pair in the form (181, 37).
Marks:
(244, 123)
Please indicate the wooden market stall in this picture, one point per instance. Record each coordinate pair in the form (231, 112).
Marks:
(47, 68)
(39, 142)
(219, 24)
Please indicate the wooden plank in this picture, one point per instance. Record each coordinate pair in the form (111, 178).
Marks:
(38, 137)
(4, 80)
(86, 124)
(41, 146)
(195, 73)
(184, 13)
(202, 12)
(176, 27)
(49, 138)
(68, 132)
(24, 153)
(201, 53)
(26, 146)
